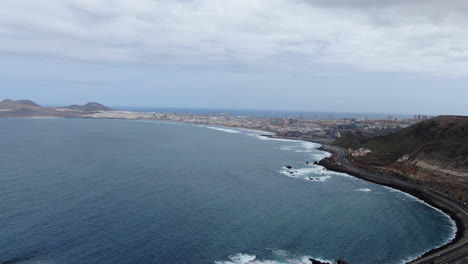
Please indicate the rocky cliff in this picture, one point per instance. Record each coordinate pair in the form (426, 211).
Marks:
(433, 152)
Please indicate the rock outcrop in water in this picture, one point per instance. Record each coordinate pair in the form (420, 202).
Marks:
(314, 261)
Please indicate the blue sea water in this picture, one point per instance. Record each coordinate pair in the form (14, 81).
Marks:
(76, 191)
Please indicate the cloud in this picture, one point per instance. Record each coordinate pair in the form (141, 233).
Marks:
(427, 37)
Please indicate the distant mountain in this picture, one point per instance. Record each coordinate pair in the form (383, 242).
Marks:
(434, 151)
(27, 102)
(18, 104)
(90, 107)
(28, 108)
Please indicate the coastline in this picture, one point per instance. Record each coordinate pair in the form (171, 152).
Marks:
(461, 223)
(420, 193)
(461, 226)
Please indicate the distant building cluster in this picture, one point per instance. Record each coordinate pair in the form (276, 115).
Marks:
(319, 130)
(422, 117)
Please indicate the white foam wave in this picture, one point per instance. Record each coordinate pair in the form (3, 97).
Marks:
(286, 148)
(257, 132)
(275, 139)
(238, 259)
(304, 172)
(363, 190)
(313, 173)
(319, 179)
(306, 147)
(160, 122)
(320, 155)
(222, 129)
(301, 171)
(282, 257)
(311, 146)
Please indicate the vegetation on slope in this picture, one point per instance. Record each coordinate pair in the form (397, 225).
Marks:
(441, 138)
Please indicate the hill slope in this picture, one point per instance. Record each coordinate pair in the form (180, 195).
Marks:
(432, 151)
(90, 107)
(28, 108)
(18, 104)
(27, 102)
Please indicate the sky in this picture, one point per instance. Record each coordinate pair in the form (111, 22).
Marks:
(386, 56)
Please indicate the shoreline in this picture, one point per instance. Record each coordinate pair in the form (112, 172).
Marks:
(460, 225)
(420, 193)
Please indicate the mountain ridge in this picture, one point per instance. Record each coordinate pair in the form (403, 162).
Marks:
(28, 108)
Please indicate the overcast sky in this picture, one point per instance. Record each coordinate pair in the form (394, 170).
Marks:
(395, 56)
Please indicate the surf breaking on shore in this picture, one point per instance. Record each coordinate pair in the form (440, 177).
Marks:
(302, 173)
(278, 257)
(312, 169)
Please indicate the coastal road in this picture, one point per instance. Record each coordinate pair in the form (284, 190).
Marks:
(452, 254)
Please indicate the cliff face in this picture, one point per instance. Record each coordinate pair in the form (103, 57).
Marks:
(433, 152)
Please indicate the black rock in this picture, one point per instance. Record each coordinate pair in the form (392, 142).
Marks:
(288, 167)
(314, 261)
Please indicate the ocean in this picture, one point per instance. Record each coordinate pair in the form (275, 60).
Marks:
(79, 191)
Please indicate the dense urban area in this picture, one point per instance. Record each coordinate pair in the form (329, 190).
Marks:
(295, 127)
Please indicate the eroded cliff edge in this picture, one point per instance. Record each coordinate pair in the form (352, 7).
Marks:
(432, 153)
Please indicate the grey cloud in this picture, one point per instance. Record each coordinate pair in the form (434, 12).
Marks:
(409, 36)
(397, 12)
(437, 5)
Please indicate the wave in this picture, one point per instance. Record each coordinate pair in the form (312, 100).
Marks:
(364, 190)
(257, 132)
(318, 179)
(303, 147)
(238, 259)
(161, 122)
(306, 147)
(280, 257)
(275, 139)
(220, 129)
(313, 173)
(310, 146)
